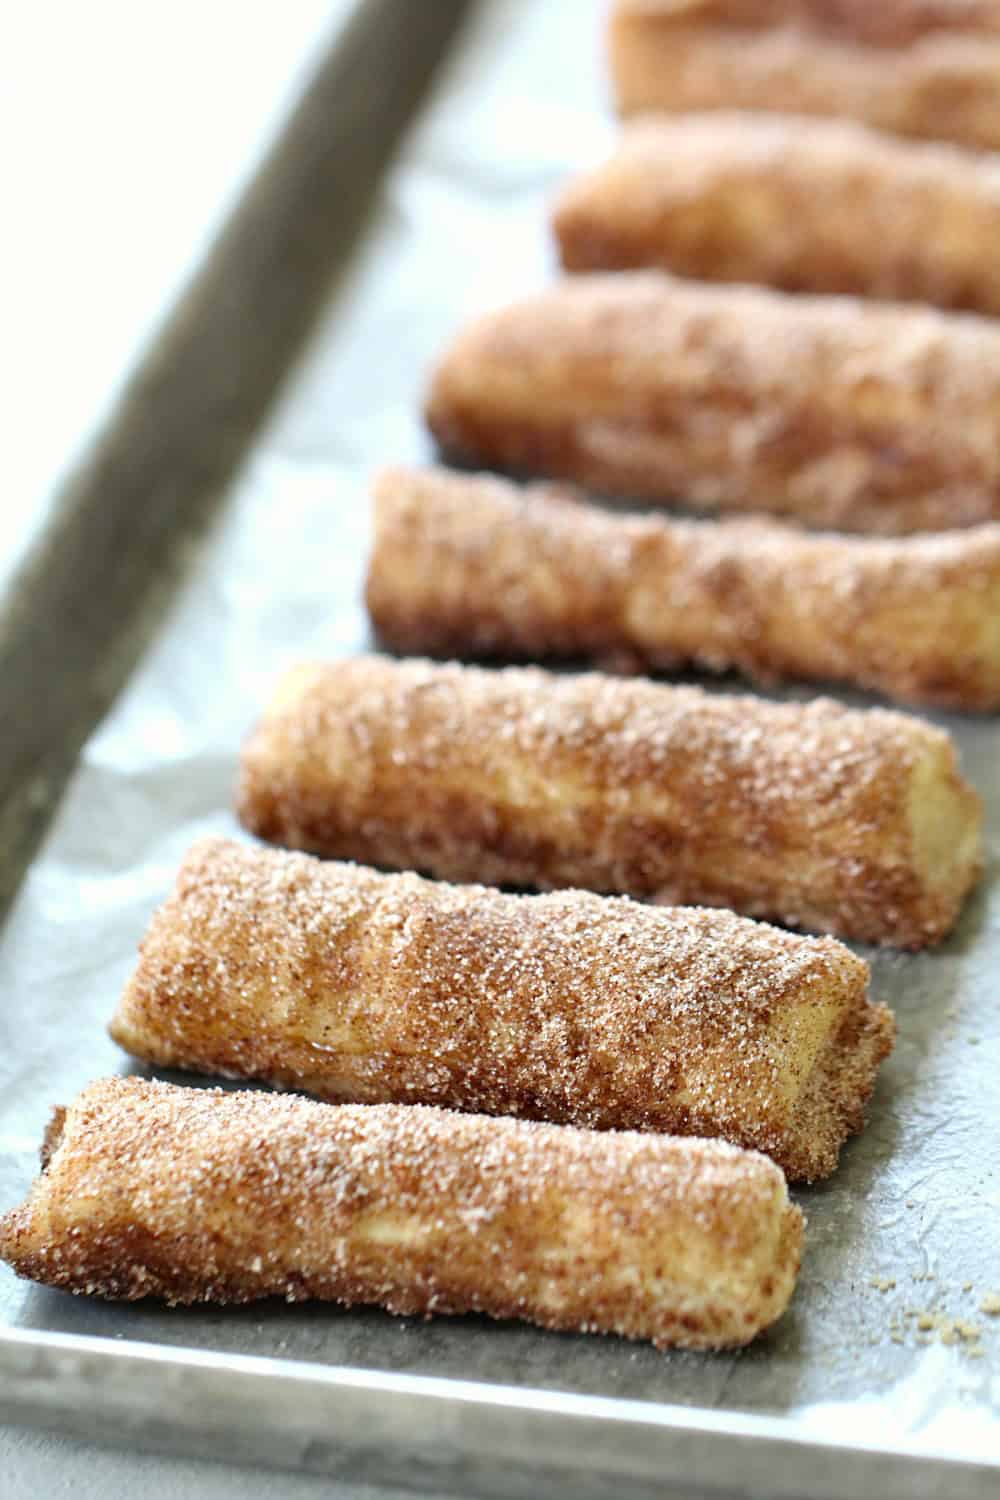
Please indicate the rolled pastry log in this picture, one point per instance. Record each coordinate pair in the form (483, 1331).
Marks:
(469, 565)
(570, 1007)
(927, 68)
(815, 206)
(852, 415)
(196, 1195)
(851, 822)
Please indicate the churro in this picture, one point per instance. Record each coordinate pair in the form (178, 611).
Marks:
(469, 565)
(574, 1008)
(840, 413)
(195, 1195)
(804, 205)
(925, 68)
(851, 822)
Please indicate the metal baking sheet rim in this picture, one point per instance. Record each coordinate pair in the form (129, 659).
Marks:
(375, 1426)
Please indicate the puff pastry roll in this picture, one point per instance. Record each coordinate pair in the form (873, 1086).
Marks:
(418, 1210)
(574, 1008)
(469, 565)
(927, 68)
(852, 822)
(846, 414)
(815, 206)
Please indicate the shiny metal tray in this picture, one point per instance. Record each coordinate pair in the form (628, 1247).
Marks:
(849, 1394)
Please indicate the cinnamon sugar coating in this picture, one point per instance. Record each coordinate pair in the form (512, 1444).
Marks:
(468, 565)
(195, 1195)
(804, 205)
(573, 1008)
(852, 822)
(846, 414)
(924, 68)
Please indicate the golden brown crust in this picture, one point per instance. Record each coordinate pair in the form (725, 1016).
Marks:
(573, 1008)
(804, 205)
(851, 415)
(195, 1195)
(469, 565)
(890, 23)
(924, 68)
(852, 822)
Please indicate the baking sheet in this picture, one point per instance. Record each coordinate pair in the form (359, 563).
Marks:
(906, 1232)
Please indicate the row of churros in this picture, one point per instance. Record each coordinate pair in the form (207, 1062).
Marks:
(594, 1025)
(581, 1106)
(648, 1058)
